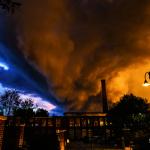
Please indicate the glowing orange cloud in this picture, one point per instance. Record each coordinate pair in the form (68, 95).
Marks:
(75, 44)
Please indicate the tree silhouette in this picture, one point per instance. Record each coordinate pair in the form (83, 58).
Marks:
(27, 104)
(12, 104)
(10, 101)
(25, 111)
(41, 113)
(9, 5)
(130, 112)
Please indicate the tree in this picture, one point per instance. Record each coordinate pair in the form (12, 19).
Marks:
(9, 5)
(128, 107)
(10, 101)
(129, 113)
(26, 110)
(27, 104)
(41, 113)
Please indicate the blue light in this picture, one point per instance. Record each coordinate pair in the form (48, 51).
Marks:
(4, 66)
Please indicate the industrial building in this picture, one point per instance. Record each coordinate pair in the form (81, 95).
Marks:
(85, 127)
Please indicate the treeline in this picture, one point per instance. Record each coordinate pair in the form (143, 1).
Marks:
(130, 118)
(11, 104)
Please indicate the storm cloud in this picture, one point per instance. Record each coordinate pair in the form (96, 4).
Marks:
(76, 43)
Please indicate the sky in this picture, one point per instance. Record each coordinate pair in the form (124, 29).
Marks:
(64, 48)
(15, 70)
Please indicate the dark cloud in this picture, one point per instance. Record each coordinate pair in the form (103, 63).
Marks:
(21, 74)
(75, 43)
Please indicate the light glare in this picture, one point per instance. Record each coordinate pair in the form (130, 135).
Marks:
(146, 84)
(4, 66)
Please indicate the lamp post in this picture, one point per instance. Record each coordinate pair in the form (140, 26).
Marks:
(146, 83)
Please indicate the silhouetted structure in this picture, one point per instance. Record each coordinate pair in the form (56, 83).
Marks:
(104, 96)
(72, 126)
(2, 125)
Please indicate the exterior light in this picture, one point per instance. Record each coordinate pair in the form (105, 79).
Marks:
(68, 141)
(146, 83)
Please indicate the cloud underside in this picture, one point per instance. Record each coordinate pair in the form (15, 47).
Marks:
(76, 43)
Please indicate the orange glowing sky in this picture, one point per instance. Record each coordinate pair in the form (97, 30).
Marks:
(76, 43)
(130, 80)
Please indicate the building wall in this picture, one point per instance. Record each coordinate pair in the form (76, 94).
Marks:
(2, 125)
(67, 128)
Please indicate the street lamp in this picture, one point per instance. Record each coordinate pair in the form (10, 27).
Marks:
(146, 83)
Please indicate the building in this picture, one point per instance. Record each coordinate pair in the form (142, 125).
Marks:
(2, 125)
(72, 126)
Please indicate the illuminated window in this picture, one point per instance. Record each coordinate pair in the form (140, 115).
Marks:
(43, 122)
(50, 122)
(101, 122)
(83, 122)
(58, 122)
(36, 122)
(77, 123)
(95, 123)
(71, 122)
(106, 122)
(89, 122)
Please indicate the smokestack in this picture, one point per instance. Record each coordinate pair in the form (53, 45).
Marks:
(104, 96)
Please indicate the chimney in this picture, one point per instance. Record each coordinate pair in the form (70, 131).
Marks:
(104, 96)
